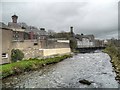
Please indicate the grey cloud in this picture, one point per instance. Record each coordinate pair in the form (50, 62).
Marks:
(86, 17)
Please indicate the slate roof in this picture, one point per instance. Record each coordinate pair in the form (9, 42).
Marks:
(2, 25)
(14, 25)
(36, 30)
(22, 25)
(90, 37)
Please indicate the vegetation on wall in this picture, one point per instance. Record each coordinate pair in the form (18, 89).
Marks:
(114, 52)
(16, 55)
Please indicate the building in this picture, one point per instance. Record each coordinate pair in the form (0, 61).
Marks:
(13, 37)
(85, 41)
(18, 32)
(27, 34)
(7, 34)
(33, 42)
(21, 31)
(99, 43)
(113, 41)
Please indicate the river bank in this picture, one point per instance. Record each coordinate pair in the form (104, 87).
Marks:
(114, 53)
(28, 65)
(93, 67)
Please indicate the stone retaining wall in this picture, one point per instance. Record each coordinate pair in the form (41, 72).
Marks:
(37, 53)
(49, 52)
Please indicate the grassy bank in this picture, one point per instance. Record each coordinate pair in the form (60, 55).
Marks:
(28, 65)
(114, 53)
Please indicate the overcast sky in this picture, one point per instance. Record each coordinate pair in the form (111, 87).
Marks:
(98, 17)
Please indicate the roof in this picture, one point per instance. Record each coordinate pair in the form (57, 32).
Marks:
(90, 37)
(15, 16)
(36, 30)
(4, 26)
(14, 25)
(20, 30)
(43, 32)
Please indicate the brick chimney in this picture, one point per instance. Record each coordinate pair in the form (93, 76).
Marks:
(71, 31)
(14, 18)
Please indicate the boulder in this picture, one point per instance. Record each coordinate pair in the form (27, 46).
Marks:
(85, 82)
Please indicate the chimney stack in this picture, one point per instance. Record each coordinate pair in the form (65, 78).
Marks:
(71, 31)
(14, 18)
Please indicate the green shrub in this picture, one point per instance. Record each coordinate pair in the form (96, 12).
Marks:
(114, 52)
(16, 55)
(112, 49)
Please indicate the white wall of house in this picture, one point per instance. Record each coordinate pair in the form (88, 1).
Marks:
(91, 44)
(65, 41)
(79, 43)
(84, 43)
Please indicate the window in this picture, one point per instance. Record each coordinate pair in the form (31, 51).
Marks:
(35, 44)
(4, 55)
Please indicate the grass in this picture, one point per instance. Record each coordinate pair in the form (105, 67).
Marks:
(28, 65)
(114, 53)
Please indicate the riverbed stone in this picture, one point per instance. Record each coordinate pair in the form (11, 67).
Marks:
(84, 81)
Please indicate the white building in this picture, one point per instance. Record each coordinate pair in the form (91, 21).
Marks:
(85, 41)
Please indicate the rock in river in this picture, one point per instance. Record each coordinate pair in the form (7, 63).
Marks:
(85, 82)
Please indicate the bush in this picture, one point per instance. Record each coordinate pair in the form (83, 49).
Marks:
(114, 52)
(112, 49)
(16, 55)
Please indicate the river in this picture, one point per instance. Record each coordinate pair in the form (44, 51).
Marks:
(93, 67)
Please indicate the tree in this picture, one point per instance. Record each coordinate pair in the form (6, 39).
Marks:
(16, 55)
(73, 44)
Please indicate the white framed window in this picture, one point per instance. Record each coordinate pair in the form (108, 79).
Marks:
(4, 55)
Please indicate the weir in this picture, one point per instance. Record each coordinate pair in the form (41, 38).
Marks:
(89, 49)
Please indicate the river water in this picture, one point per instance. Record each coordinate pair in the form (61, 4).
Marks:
(94, 67)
